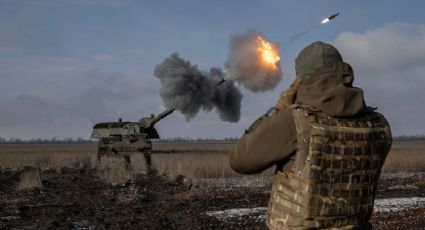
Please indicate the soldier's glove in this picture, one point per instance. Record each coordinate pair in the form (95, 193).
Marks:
(287, 97)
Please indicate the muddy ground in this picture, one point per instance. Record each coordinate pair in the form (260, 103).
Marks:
(78, 199)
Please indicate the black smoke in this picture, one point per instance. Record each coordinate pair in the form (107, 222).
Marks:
(189, 90)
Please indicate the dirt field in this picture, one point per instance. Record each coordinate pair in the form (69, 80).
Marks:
(67, 188)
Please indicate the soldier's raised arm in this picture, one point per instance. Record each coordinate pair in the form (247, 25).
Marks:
(270, 139)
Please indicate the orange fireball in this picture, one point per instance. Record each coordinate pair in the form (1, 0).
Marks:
(269, 55)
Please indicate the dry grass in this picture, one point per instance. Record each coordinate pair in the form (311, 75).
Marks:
(406, 156)
(194, 160)
(191, 147)
(29, 179)
(193, 165)
(44, 156)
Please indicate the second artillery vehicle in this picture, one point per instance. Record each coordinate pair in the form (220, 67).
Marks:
(122, 137)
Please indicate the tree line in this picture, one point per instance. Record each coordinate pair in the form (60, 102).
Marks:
(409, 137)
(190, 139)
(54, 140)
(80, 140)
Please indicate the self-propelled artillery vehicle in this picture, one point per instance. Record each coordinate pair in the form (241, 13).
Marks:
(122, 137)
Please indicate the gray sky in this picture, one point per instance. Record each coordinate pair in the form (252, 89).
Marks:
(65, 64)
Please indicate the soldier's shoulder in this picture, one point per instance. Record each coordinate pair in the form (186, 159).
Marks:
(374, 112)
(284, 118)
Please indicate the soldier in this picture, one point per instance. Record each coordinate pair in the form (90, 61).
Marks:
(327, 145)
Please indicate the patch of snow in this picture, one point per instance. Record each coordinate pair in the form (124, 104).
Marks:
(82, 225)
(401, 175)
(234, 182)
(259, 213)
(381, 205)
(266, 181)
(403, 187)
(398, 204)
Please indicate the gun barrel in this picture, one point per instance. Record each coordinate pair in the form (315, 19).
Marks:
(165, 113)
(221, 82)
(161, 116)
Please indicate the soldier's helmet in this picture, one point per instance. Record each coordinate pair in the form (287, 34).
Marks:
(315, 55)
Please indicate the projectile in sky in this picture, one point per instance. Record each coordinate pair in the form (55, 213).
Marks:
(326, 20)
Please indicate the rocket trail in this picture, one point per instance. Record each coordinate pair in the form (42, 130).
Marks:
(328, 19)
(297, 36)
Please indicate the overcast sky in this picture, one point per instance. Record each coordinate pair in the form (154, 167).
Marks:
(65, 64)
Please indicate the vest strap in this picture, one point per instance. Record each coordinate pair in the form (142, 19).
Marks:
(303, 140)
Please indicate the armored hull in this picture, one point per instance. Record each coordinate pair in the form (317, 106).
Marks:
(117, 144)
(122, 138)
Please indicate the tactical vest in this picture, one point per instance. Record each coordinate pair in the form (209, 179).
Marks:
(333, 180)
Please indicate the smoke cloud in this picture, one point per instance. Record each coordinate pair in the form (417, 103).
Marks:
(245, 64)
(190, 90)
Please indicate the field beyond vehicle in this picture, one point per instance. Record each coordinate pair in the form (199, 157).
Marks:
(65, 186)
